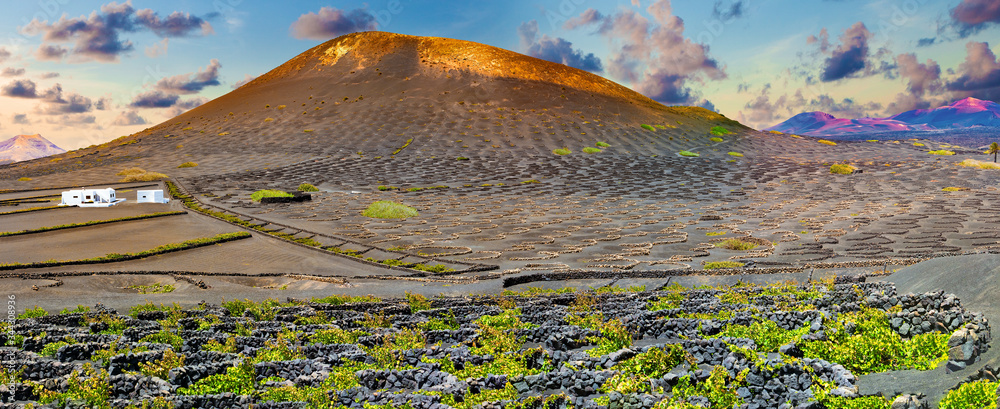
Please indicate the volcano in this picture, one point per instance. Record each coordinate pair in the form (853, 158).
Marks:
(27, 147)
(377, 94)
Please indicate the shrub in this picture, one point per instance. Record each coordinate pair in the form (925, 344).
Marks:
(223, 133)
(719, 131)
(978, 394)
(384, 209)
(24, 179)
(918, 144)
(647, 127)
(591, 150)
(140, 175)
(281, 107)
(714, 265)
(260, 194)
(715, 139)
(826, 142)
(562, 151)
(33, 313)
(653, 363)
(306, 187)
(417, 302)
(268, 119)
(688, 154)
(842, 169)
(157, 288)
(187, 165)
(736, 244)
(942, 152)
(603, 145)
(461, 158)
(972, 163)
(954, 189)
(736, 154)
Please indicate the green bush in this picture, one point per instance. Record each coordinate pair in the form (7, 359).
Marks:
(716, 139)
(614, 337)
(306, 187)
(260, 194)
(651, 364)
(187, 165)
(384, 209)
(417, 302)
(978, 394)
(736, 244)
(765, 333)
(562, 151)
(942, 152)
(33, 313)
(842, 169)
(688, 154)
(713, 265)
(719, 131)
(591, 150)
(736, 154)
(603, 145)
(647, 127)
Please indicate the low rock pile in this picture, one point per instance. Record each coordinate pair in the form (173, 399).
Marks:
(745, 346)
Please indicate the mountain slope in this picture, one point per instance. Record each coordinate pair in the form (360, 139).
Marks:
(966, 113)
(27, 147)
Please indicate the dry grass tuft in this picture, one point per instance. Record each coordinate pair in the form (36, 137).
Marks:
(972, 163)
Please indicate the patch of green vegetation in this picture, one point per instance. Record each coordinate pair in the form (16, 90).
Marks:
(826, 142)
(716, 233)
(446, 322)
(24, 179)
(306, 187)
(842, 169)
(530, 181)
(874, 347)
(591, 150)
(603, 144)
(32, 313)
(260, 194)
(736, 154)
(633, 372)
(417, 302)
(714, 265)
(647, 127)
(157, 288)
(716, 139)
(384, 209)
(461, 158)
(614, 337)
(562, 151)
(978, 394)
(688, 154)
(165, 337)
(736, 244)
(408, 142)
(765, 333)
(720, 131)
(87, 386)
(187, 165)
(943, 152)
(918, 144)
(496, 333)
(954, 189)
(432, 268)
(720, 388)
(78, 309)
(162, 367)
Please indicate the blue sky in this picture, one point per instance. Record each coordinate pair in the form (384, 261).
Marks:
(83, 72)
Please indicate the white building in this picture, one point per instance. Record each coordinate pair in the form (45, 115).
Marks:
(150, 196)
(90, 198)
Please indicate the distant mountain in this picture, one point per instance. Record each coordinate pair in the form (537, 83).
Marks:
(27, 147)
(965, 113)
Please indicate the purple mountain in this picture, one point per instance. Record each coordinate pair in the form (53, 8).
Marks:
(966, 113)
(27, 147)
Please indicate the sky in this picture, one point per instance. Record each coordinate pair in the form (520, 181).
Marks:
(83, 72)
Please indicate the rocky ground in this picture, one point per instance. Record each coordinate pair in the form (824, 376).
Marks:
(746, 346)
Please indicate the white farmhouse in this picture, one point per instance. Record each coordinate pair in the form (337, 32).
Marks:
(90, 198)
(150, 196)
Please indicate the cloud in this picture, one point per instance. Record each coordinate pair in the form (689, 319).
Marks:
(850, 56)
(979, 74)
(823, 40)
(21, 119)
(103, 104)
(556, 50)
(158, 49)
(926, 42)
(64, 121)
(765, 110)
(54, 102)
(971, 16)
(191, 83)
(177, 24)
(49, 75)
(246, 79)
(154, 99)
(185, 105)
(653, 56)
(331, 22)
(4, 54)
(12, 72)
(20, 89)
(922, 80)
(589, 16)
(128, 118)
(97, 37)
(729, 13)
(51, 53)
